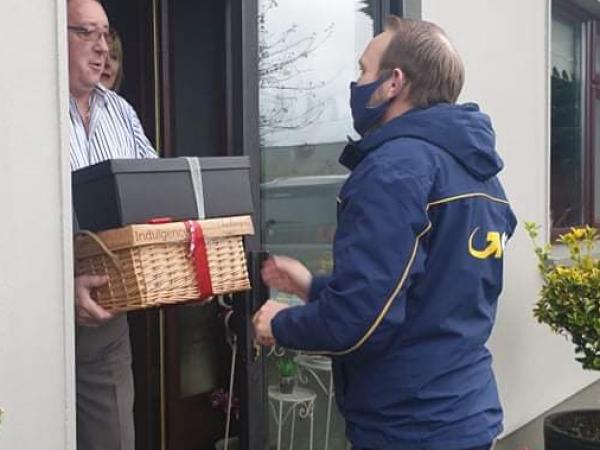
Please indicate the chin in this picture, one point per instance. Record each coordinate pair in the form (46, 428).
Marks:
(93, 80)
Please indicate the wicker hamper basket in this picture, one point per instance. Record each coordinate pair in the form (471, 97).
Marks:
(151, 265)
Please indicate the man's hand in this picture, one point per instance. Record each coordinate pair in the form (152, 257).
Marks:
(262, 322)
(88, 312)
(287, 275)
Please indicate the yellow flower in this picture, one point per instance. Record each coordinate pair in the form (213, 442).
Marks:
(578, 233)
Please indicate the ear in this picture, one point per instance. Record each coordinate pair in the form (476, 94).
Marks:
(397, 83)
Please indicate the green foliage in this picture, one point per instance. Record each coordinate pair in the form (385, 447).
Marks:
(367, 7)
(287, 367)
(569, 300)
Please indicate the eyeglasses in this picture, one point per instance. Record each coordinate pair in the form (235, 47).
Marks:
(91, 34)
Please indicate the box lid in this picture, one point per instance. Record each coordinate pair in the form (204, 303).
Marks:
(122, 166)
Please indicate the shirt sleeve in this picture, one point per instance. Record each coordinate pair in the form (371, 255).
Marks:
(143, 147)
(377, 250)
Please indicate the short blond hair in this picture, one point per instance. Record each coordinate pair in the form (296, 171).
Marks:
(429, 61)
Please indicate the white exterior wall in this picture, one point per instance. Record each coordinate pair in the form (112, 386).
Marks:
(504, 45)
(36, 306)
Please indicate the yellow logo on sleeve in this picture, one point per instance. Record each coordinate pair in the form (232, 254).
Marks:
(495, 246)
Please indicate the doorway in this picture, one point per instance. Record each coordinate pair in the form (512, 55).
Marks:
(184, 72)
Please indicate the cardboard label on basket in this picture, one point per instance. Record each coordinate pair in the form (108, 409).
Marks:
(137, 235)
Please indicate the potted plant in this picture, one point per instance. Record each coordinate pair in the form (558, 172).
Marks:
(569, 302)
(287, 374)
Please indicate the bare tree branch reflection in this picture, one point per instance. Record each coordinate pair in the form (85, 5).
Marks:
(280, 69)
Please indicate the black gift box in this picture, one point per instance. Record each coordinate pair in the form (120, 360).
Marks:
(121, 192)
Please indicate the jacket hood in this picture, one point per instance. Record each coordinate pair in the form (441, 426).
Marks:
(463, 131)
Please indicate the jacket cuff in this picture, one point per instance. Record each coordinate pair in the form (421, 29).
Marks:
(278, 326)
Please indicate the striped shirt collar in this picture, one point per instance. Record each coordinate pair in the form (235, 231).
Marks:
(98, 98)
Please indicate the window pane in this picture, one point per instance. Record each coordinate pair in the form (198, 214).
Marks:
(309, 53)
(597, 50)
(198, 349)
(566, 133)
(198, 85)
(597, 154)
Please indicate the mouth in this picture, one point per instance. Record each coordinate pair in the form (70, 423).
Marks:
(96, 66)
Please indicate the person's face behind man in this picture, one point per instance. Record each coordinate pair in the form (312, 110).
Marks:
(88, 49)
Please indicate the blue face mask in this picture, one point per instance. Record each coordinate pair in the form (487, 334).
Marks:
(366, 117)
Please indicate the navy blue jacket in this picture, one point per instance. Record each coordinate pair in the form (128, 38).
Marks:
(418, 255)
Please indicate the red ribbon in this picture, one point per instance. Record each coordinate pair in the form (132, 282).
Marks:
(160, 220)
(198, 252)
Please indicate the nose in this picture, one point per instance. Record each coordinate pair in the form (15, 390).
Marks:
(102, 44)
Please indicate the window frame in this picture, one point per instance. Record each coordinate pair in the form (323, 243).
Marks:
(590, 91)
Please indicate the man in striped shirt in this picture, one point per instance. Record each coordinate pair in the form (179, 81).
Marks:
(102, 126)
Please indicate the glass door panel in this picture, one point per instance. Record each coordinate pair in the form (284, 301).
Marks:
(308, 55)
